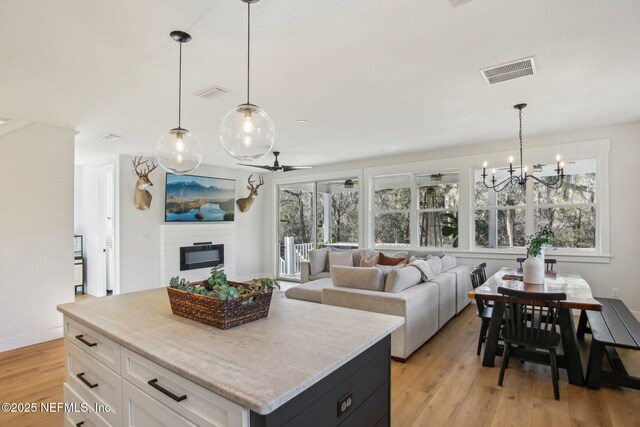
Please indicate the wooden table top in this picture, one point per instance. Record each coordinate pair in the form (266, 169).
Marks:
(572, 284)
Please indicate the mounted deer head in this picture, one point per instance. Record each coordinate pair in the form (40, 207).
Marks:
(245, 203)
(142, 197)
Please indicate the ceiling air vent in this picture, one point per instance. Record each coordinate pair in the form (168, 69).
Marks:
(459, 2)
(211, 92)
(110, 137)
(509, 71)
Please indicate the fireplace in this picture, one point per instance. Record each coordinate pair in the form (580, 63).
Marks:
(201, 255)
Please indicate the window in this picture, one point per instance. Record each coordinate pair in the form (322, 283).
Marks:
(337, 212)
(571, 209)
(504, 219)
(391, 210)
(500, 218)
(438, 209)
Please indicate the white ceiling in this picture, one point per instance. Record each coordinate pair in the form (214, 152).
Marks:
(369, 76)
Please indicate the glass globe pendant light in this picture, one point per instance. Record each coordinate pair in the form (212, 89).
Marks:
(179, 151)
(247, 132)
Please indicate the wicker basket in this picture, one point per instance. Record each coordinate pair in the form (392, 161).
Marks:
(221, 314)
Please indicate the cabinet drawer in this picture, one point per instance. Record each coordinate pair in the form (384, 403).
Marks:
(95, 383)
(193, 402)
(142, 410)
(94, 343)
(78, 416)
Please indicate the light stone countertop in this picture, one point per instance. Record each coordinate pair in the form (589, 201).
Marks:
(260, 365)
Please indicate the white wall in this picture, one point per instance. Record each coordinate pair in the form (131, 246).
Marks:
(617, 271)
(36, 229)
(140, 230)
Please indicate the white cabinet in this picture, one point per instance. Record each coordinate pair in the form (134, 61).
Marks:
(138, 392)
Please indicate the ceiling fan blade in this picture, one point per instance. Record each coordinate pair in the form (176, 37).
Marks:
(293, 168)
(258, 166)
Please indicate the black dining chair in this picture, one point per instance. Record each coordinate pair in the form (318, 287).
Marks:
(483, 271)
(484, 310)
(530, 322)
(549, 263)
(520, 261)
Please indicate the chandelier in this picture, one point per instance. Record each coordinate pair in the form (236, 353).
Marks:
(521, 179)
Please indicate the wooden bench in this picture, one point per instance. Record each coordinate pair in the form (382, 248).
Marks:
(614, 326)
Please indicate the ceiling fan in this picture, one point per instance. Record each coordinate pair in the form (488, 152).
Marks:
(277, 166)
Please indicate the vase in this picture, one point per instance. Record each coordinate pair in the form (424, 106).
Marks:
(533, 270)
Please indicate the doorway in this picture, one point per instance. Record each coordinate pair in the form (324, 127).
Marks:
(106, 230)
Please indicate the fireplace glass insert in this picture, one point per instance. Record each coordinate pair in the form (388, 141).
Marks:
(201, 255)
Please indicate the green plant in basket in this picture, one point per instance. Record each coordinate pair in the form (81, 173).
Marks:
(217, 286)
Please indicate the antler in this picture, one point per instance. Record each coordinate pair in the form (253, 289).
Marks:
(260, 182)
(149, 169)
(137, 162)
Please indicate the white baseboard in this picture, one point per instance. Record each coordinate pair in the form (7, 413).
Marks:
(37, 337)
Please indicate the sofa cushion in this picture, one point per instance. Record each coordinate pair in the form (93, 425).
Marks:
(448, 262)
(425, 254)
(321, 275)
(319, 260)
(340, 258)
(436, 264)
(371, 262)
(310, 291)
(387, 260)
(401, 278)
(369, 278)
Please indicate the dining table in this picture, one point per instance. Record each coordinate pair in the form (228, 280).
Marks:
(579, 297)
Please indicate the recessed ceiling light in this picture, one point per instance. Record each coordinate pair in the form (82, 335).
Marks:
(110, 137)
(301, 121)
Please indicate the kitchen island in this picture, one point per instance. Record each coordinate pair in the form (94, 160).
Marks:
(305, 364)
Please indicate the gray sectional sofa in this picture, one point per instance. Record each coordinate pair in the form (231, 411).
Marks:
(427, 299)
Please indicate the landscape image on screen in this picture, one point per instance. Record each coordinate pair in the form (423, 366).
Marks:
(191, 198)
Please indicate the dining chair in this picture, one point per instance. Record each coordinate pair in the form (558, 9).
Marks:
(484, 310)
(549, 263)
(530, 322)
(483, 271)
(520, 261)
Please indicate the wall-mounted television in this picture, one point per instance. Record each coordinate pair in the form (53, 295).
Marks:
(192, 198)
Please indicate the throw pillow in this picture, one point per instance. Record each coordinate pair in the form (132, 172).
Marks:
(371, 262)
(400, 279)
(387, 260)
(360, 254)
(340, 258)
(369, 278)
(448, 262)
(319, 261)
(436, 265)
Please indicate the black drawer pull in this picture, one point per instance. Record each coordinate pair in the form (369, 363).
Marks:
(85, 342)
(81, 423)
(154, 383)
(85, 381)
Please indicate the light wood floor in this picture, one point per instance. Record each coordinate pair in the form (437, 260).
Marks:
(442, 384)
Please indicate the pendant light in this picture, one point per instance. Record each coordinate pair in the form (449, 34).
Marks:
(247, 132)
(179, 151)
(521, 179)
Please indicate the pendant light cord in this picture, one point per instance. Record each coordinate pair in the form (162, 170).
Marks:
(248, 47)
(180, 89)
(520, 135)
